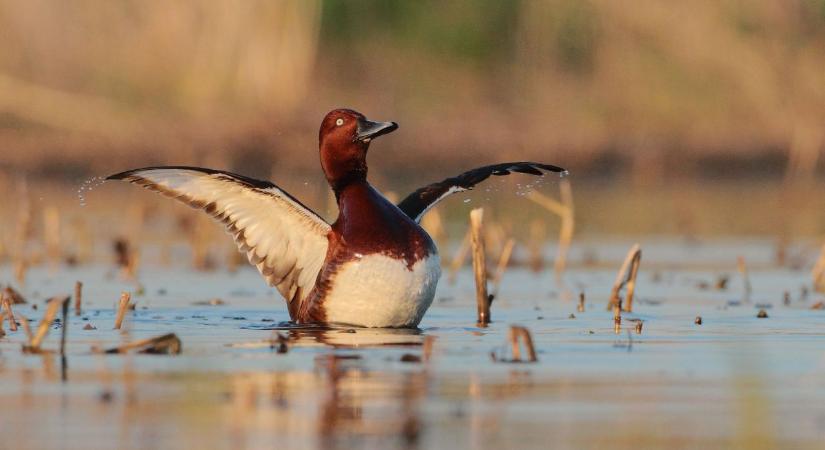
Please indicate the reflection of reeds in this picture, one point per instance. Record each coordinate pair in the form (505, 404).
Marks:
(479, 265)
(24, 322)
(427, 349)
(564, 209)
(626, 277)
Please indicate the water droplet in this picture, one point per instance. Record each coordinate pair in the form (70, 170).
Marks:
(564, 173)
(87, 186)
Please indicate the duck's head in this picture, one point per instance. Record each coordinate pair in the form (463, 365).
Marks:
(344, 138)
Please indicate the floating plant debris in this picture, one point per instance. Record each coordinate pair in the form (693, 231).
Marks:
(167, 344)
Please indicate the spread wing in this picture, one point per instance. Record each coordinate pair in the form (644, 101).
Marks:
(420, 201)
(285, 240)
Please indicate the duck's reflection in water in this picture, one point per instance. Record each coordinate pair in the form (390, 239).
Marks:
(358, 404)
(344, 402)
(356, 337)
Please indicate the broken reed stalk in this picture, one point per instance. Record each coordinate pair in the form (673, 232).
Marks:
(617, 316)
(626, 277)
(6, 299)
(743, 269)
(517, 332)
(580, 308)
(564, 209)
(123, 305)
(503, 261)
(480, 265)
(459, 257)
(166, 344)
(43, 329)
(78, 297)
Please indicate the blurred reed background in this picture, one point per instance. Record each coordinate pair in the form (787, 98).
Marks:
(695, 118)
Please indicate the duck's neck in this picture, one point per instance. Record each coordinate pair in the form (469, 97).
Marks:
(340, 182)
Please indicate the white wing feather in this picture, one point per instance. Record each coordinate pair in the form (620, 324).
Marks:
(285, 240)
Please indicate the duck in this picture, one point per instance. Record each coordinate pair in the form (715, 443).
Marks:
(374, 266)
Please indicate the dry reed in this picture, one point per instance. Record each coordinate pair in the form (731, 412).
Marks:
(480, 265)
(51, 234)
(434, 224)
(501, 267)
(538, 236)
(626, 277)
(564, 209)
(818, 272)
(743, 269)
(516, 334)
(78, 297)
(165, 344)
(16, 297)
(459, 257)
(580, 308)
(52, 307)
(6, 300)
(123, 305)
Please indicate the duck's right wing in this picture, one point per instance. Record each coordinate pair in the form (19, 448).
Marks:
(422, 200)
(284, 239)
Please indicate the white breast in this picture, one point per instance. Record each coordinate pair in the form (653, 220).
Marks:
(379, 291)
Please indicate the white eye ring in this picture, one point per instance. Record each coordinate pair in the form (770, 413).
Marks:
(339, 122)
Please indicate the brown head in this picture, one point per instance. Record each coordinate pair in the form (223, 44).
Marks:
(344, 138)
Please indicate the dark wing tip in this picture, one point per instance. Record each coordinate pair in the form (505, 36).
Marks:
(550, 167)
(122, 175)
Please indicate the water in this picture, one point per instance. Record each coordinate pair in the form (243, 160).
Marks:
(736, 380)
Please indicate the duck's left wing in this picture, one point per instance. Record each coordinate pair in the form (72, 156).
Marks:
(285, 240)
(420, 201)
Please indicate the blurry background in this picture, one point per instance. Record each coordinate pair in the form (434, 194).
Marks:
(701, 117)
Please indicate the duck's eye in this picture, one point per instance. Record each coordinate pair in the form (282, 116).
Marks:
(339, 122)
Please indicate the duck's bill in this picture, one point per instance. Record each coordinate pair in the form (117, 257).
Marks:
(368, 129)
